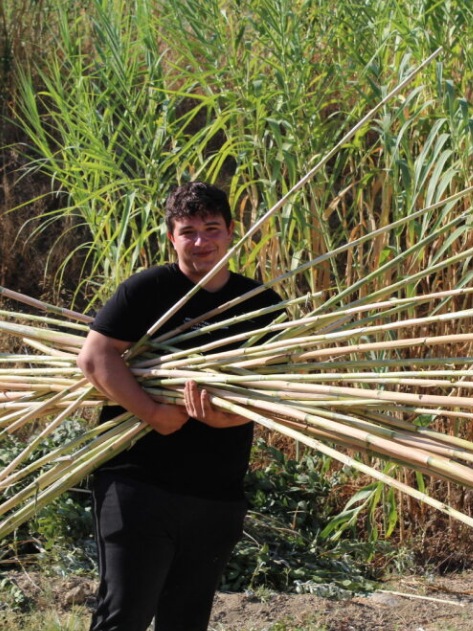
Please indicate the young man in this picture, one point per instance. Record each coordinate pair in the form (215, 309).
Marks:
(170, 509)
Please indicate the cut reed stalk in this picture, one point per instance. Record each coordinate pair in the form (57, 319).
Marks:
(347, 460)
(43, 306)
(66, 474)
(286, 398)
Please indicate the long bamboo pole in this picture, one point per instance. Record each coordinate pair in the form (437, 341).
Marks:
(300, 184)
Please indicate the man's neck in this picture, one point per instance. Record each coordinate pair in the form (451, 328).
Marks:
(214, 284)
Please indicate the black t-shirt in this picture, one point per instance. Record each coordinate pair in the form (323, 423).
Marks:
(197, 459)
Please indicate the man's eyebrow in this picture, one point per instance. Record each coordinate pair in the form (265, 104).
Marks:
(210, 222)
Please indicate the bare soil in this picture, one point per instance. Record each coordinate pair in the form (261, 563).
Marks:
(408, 604)
(437, 603)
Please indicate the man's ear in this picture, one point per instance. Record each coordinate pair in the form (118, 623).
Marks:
(170, 237)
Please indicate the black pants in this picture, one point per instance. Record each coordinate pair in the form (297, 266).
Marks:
(160, 555)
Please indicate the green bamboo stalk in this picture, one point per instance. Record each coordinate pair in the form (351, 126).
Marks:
(422, 342)
(294, 353)
(413, 457)
(111, 441)
(403, 437)
(449, 439)
(367, 450)
(327, 390)
(49, 404)
(321, 259)
(113, 428)
(29, 317)
(34, 359)
(214, 377)
(403, 255)
(344, 459)
(382, 364)
(300, 184)
(392, 288)
(29, 381)
(41, 334)
(43, 306)
(310, 323)
(324, 319)
(437, 412)
(27, 371)
(72, 407)
(71, 473)
(178, 334)
(451, 446)
(397, 429)
(316, 340)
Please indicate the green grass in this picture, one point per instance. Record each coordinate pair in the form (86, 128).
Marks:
(47, 620)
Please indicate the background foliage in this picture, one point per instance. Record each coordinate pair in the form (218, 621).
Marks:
(107, 104)
(120, 102)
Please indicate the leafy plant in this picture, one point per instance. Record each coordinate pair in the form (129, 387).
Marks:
(281, 548)
(59, 537)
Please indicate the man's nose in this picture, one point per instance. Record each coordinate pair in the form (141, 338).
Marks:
(200, 237)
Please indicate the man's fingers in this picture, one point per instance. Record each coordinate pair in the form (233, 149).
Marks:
(196, 402)
(205, 403)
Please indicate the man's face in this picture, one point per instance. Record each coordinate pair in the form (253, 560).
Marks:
(200, 242)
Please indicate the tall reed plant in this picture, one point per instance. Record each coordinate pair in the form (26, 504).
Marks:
(136, 99)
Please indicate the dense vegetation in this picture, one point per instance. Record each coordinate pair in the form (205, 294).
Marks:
(107, 105)
(119, 104)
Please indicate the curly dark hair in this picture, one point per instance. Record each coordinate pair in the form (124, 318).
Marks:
(196, 199)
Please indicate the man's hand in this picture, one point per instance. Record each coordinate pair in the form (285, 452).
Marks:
(197, 403)
(167, 419)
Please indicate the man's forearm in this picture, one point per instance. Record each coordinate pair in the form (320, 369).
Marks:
(102, 363)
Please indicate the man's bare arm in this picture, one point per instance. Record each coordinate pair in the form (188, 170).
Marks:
(101, 361)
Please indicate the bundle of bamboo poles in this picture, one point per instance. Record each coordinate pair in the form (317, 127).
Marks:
(354, 379)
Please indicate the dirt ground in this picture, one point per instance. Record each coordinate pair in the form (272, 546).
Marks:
(438, 603)
(408, 604)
